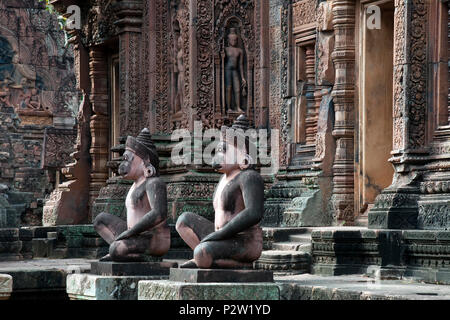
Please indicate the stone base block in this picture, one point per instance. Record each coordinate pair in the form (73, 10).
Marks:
(95, 287)
(219, 275)
(171, 290)
(5, 286)
(284, 260)
(132, 268)
(10, 245)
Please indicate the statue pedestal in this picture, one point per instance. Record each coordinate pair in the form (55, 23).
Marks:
(220, 275)
(111, 268)
(5, 286)
(211, 284)
(95, 287)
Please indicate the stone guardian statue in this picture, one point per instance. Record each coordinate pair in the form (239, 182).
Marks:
(235, 239)
(146, 231)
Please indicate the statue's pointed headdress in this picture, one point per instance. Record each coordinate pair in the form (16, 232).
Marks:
(144, 147)
(239, 132)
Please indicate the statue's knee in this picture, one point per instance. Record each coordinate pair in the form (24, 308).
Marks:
(117, 250)
(98, 220)
(183, 220)
(202, 257)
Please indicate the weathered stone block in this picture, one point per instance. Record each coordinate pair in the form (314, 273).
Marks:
(6, 286)
(170, 290)
(96, 287)
(219, 275)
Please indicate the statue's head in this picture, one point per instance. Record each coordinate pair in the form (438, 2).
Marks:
(232, 152)
(233, 38)
(180, 42)
(140, 157)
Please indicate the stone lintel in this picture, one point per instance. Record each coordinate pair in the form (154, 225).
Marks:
(111, 268)
(219, 275)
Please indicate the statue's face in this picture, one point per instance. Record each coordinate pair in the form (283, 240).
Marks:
(227, 158)
(131, 166)
(233, 40)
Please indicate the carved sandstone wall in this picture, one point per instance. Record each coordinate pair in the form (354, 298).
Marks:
(38, 103)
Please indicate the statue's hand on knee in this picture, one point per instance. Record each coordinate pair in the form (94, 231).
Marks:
(215, 236)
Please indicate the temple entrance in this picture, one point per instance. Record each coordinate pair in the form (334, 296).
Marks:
(374, 115)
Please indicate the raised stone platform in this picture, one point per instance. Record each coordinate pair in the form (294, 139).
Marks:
(5, 286)
(154, 268)
(211, 284)
(67, 242)
(171, 290)
(219, 275)
(421, 255)
(356, 287)
(42, 278)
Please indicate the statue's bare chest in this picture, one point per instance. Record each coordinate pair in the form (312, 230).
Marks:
(137, 197)
(228, 192)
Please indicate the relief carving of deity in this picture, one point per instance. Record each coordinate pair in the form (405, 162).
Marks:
(179, 75)
(235, 83)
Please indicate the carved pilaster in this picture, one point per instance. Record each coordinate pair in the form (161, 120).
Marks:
(410, 82)
(343, 96)
(129, 30)
(311, 106)
(397, 206)
(99, 121)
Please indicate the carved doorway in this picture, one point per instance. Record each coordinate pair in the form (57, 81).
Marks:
(374, 116)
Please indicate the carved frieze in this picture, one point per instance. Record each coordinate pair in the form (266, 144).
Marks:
(57, 147)
(410, 74)
(97, 22)
(304, 12)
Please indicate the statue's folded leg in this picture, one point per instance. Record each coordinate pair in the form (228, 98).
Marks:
(109, 226)
(237, 252)
(193, 228)
(139, 247)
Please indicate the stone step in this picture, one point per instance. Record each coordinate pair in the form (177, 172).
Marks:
(43, 247)
(303, 238)
(295, 246)
(284, 260)
(283, 233)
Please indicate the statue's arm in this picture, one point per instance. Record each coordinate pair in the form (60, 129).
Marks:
(252, 187)
(241, 62)
(157, 197)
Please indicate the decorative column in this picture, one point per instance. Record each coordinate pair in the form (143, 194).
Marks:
(396, 207)
(343, 58)
(99, 121)
(311, 106)
(132, 115)
(129, 30)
